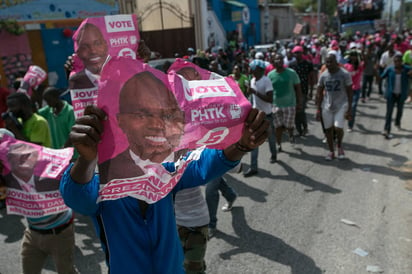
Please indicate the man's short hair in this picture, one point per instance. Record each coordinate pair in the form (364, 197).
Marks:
(21, 97)
(52, 91)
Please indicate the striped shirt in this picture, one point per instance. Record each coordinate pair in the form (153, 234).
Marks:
(51, 221)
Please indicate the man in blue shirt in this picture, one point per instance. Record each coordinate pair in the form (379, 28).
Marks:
(139, 237)
(396, 92)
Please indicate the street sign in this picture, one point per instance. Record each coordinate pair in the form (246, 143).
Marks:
(246, 15)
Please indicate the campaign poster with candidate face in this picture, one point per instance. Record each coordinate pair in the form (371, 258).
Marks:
(96, 40)
(151, 118)
(32, 175)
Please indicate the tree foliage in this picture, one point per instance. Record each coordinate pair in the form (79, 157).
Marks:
(326, 6)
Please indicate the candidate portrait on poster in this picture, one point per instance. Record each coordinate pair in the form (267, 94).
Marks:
(152, 122)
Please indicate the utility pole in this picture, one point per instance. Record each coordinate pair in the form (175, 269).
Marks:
(401, 15)
(318, 18)
(390, 14)
(266, 21)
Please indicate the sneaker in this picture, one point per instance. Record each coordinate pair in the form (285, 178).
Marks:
(389, 136)
(273, 159)
(330, 156)
(305, 131)
(363, 100)
(228, 206)
(324, 140)
(211, 232)
(250, 172)
(349, 129)
(341, 153)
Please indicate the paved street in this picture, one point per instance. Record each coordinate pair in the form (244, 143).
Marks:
(288, 218)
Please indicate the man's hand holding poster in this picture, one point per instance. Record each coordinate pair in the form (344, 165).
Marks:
(32, 175)
(152, 116)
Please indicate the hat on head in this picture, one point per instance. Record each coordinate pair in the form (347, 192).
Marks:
(297, 49)
(191, 50)
(259, 55)
(333, 52)
(257, 63)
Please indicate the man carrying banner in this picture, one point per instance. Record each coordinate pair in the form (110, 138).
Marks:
(50, 234)
(136, 235)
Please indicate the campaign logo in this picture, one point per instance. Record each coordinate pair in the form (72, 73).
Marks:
(128, 53)
(119, 23)
(207, 89)
(214, 136)
(119, 41)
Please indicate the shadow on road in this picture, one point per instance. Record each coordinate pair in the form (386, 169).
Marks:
(244, 190)
(248, 240)
(11, 226)
(349, 165)
(294, 176)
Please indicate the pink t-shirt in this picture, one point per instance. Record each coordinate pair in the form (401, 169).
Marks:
(356, 75)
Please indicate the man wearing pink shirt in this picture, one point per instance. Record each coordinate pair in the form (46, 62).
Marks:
(355, 67)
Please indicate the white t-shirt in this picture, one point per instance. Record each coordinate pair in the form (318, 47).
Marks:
(398, 84)
(335, 89)
(262, 86)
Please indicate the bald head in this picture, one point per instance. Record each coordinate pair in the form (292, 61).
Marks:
(189, 73)
(150, 117)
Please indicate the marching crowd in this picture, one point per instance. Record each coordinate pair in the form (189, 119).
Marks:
(335, 72)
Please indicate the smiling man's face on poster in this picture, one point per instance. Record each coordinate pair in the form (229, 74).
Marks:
(150, 117)
(93, 50)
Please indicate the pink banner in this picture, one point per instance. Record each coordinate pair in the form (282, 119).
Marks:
(34, 76)
(153, 117)
(214, 109)
(95, 41)
(192, 72)
(32, 176)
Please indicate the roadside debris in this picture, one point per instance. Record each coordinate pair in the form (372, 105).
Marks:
(349, 222)
(374, 269)
(360, 252)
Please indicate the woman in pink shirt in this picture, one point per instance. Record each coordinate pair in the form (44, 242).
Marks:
(355, 67)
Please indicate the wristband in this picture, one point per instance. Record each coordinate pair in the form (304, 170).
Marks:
(242, 148)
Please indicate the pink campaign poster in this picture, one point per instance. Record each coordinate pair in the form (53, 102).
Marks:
(34, 76)
(32, 175)
(152, 117)
(214, 106)
(97, 40)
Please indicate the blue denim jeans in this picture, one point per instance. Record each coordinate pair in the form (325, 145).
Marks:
(212, 197)
(272, 145)
(355, 99)
(390, 104)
